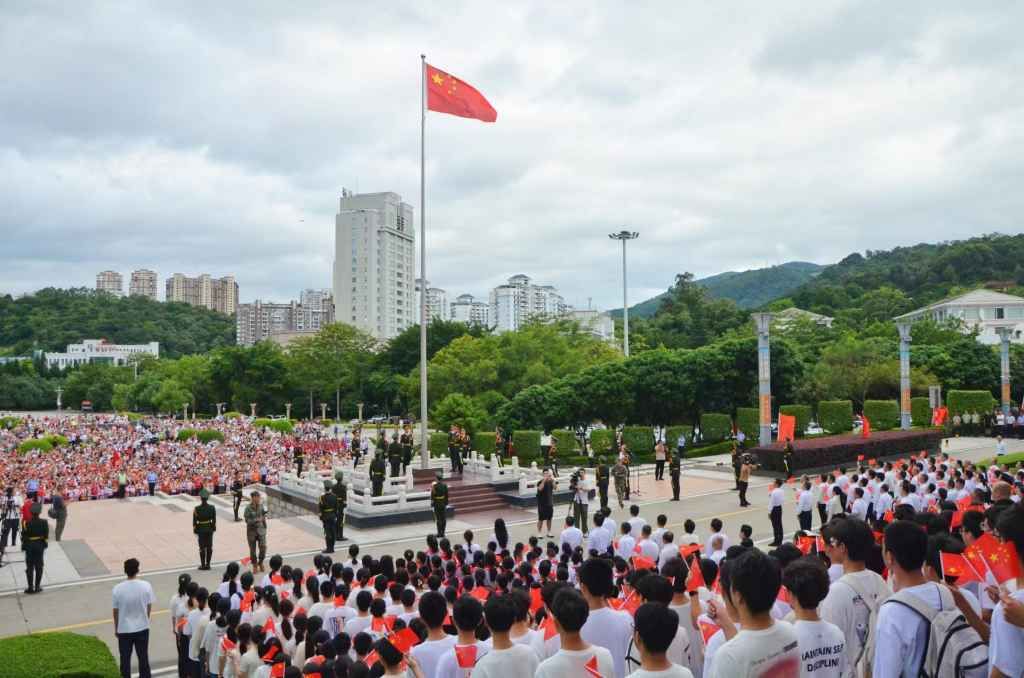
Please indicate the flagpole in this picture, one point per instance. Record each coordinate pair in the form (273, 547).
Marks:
(424, 446)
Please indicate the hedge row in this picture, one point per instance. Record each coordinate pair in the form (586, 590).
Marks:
(715, 427)
(9, 422)
(640, 441)
(601, 440)
(483, 442)
(962, 402)
(56, 655)
(35, 444)
(438, 444)
(526, 444)
(748, 420)
(232, 415)
(835, 416)
(207, 435)
(186, 433)
(920, 412)
(803, 416)
(884, 415)
(565, 441)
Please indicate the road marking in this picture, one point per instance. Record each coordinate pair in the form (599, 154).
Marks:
(85, 625)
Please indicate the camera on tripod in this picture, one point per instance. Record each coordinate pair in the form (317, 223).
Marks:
(574, 481)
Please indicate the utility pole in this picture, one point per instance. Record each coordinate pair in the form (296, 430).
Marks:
(624, 235)
(60, 391)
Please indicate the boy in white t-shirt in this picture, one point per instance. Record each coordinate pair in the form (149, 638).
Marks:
(821, 643)
(505, 658)
(570, 612)
(1006, 642)
(461, 660)
(654, 631)
(605, 627)
(432, 610)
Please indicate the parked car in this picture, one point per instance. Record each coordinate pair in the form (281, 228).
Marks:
(813, 429)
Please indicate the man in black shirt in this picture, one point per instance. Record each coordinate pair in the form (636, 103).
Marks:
(545, 502)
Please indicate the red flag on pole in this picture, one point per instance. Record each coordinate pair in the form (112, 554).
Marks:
(707, 629)
(695, 579)
(448, 94)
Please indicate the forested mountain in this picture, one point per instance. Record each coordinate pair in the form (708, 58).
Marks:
(51, 319)
(749, 289)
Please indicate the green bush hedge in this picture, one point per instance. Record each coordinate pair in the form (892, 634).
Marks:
(262, 422)
(282, 425)
(483, 442)
(566, 441)
(672, 435)
(56, 655)
(527, 445)
(56, 440)
(601, 440)
(232, 415)
(920, 412)
(207, 435)
(186, 433)
(748, 420)
(640, 441)
(714, 427)
(803, 416)
(438, 444)
(325, 422)
(724, 447)
(131, 416)
(835, 416)
(961, 402)
(884, 415)
(9, 422)
(35, 444)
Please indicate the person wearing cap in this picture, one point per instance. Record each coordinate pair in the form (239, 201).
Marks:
(377, 472)
(236, 493)
(256, 531)
(328, 509)
(395, 456)
(204, 524)
(406, 441)
(34, 538)
(340, 490)
(439, 501)
(603, 476)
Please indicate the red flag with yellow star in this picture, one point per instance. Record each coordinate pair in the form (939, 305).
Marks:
(448, 94)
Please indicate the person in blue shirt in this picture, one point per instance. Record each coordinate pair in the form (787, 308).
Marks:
(33, 489)
(151, 480)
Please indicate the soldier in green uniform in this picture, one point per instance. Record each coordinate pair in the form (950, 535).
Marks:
(406, 441)
(204, 524)
(34, 538)
(602, 481)
(340, 491)
(256, 531)
(328, 507)
(787, 459)
(439, 500)
(674, 469)
(621, 475)
(377, 472)
(395, 456)
(236, 493)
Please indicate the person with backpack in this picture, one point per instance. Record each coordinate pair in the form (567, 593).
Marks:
(853, 599)
(920, 630)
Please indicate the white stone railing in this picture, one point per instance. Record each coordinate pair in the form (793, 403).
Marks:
(399, 502)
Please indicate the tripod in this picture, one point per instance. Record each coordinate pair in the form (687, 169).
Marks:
(8, 525)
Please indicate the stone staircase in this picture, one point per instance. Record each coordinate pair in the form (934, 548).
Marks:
(475, 497)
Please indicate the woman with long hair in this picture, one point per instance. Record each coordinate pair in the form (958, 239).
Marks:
(214, 633)
(230, 656)
(178, 607)
(501, 533)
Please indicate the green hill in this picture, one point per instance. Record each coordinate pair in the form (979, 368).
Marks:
(749, 289)
(51, 319)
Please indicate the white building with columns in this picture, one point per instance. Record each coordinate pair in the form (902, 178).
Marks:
(984, 310)
(99, 351)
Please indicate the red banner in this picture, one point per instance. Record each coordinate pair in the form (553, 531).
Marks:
(787, 427)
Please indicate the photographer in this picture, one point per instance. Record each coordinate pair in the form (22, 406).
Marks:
(580, 488)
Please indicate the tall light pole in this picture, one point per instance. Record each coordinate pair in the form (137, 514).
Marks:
(624, 236)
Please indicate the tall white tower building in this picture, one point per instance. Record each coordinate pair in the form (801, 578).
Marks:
(110, 282)
(520, 301)
(437, 302)
(374, 263)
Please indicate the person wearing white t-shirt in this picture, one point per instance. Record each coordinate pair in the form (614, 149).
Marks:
(821, 643)
(805, 506)
(362, 620)
(626, 544)
(571, 612)
(600, 539)
(884, 501)
(467, 614)
(505, 657)
(636, 522)
(648, 547)
(659, 590)
(656, 626)
(764, 646)
(717, 552)
(659, 532)
(132, 604)
(716, 531)
(605, 627)
(432, 609)
(1006, 641)
(571, 535)
(834, 506)
(669, 550)
(193, 622)
(859, 510)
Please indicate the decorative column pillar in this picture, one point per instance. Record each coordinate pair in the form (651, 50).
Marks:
(323, 410)
(764, 376)
(1004, 367)
(287, 410)
(252, 410)
(184, 412)
(905, 419)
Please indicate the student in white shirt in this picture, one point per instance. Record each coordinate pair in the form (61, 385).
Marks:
(626, 543)
(689, 536)
(433, 609)
(669, 550)
(571, 612)
(600, 539)
(195, 618)
(859, 510)
(717, 552)
(648, 547)
(213, 633)
(716, 531)
(636, 522)
(901, 634)
(505, 657)
(854, 598)
(521, 633)
(763, 646)
(821, 643)
(467, 614)
(775, 501)
(657, 589)
(132, 604)
(834, 507)
(655, 631)
(659, 532)
(178, 608)
(805, 506)
(1006, 641)
(362, 620)
(571, 535)
(608, 628)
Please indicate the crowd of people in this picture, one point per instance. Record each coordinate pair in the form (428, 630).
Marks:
(902, 591)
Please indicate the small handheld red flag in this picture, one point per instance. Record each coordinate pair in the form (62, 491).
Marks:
(548, 627)
(865, 430)
(956, 565)
(686, 551)
(591, 667)
(707, 629)
(371, 659)
(695, 579)
(466, 656)
(536, 601)
(404, 640)
(277, 670)
(643, 563)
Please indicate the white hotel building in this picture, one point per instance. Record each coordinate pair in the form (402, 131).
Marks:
(466, 309)
(519, 301)
(99, 351)
(374, 263)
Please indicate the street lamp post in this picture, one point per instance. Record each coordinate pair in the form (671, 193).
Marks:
(323, 410)
(287, 410)
(624, 235)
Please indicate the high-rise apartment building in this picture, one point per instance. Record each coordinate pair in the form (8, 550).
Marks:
(216, 294)
(110, 282)
(437, 302)
(374, 263)
(519, 301)
(262, 320)
(143, 284)
(468, 310)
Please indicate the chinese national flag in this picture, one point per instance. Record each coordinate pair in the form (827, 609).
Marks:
(536, 602)
(1003, 562)
(548, 627)
(448, 94)
(707, 629)
(956, 565)
(591, 667)
(695, 579)
(404, 640)
(465, 655)
(643, 563)
(277, 670)
(805, 543)
(686, 551)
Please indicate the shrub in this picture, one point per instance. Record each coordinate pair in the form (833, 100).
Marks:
(186, 433)
(527, 445)
(9, 422)
(961, 402)
(232, 415)
(640, 441)
(672, 435)
(802, 414)
(438, 444)
(56, 440)
(831, 451)
(920, 412)
(835, 416)
(884, 415)
(566, 441)
(281, 425)
(262, 422)
(1008, 459)
(56, 655)
(748, 420)
(207, 435)
(131, 416)
(714, 427)
(35, 444)
(601, 440)
(483, 442)
(724, 447)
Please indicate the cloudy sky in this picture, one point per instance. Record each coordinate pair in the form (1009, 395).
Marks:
(216, 137)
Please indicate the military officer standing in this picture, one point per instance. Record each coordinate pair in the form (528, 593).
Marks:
(328, 507)
(602, 482)
(406, 441)
(204, 524)
(377, 473)
(439, 500)
(236, 493)
(256, 531)
(34, 540)
(395, 456)
(340, 491)
(621, 475)
(674, 469)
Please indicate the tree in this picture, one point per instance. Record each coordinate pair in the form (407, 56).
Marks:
(94, 382)
(459, 410)
(402, 353)
(192, 372)
(171, 397)
(240, 375)
(334, 362)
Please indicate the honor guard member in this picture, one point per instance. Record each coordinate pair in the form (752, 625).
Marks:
(204, 524)
(603, 476)
(787, 459)
(439, 501)
(453, 451)
(406, 441)
(299, 456)
(377, 472)
(340, 491)
(34, 540)
(236, 493)
(256, 531)
(737, 461)
(328, 515)
(395, 456)
(621, 475)
(674, 469)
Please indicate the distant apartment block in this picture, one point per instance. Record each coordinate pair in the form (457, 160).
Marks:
(467, 309)
(597, 323)
(110, 282)
(216, 294)
(143, 284)
(99, 351)
(437, 302)
(260, 320)
(520, 301)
